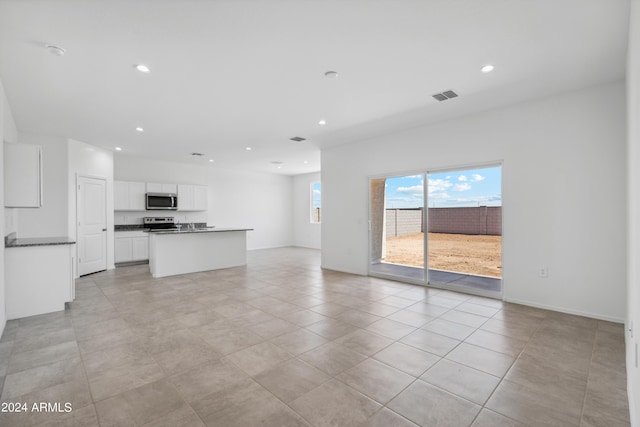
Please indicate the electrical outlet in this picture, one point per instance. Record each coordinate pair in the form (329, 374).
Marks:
(543, 271)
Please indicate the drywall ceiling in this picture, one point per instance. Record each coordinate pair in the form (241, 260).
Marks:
(231, 74)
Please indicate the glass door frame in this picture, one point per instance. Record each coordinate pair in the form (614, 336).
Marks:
(425, 223)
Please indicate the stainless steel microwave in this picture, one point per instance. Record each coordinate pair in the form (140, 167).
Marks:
(162, 201)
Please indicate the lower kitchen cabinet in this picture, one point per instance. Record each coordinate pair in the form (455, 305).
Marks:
(38, 279)
(131, 246)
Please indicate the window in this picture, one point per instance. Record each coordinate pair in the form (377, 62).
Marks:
(315, 202)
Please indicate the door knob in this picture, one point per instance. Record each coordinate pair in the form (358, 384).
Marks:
(104, 229)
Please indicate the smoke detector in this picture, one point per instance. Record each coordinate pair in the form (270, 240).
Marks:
(55, 50)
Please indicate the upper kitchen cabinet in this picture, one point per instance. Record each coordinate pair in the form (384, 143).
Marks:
(22, 176)
(192, 197)
(128, 196)
(153, 187)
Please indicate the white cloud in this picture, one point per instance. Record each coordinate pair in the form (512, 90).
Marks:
(437, 185)
(461, 187)
(475, 177)
(462, 178)
(414, 189)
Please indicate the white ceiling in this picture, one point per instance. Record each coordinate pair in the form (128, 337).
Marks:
(226, 74)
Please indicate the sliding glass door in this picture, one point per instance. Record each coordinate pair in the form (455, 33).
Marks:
(447, 233)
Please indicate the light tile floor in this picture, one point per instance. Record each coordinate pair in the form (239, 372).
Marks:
(283, 343)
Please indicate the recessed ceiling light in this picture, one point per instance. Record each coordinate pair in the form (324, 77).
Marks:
(331, 74)
(322, 122)
(248, 148)
(139, 129)
(143, 68)
(487, 68)
(118, 149)
(306, 162)
(55, 50)
(210, 160)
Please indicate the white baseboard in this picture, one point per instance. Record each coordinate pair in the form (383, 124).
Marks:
(598, 316)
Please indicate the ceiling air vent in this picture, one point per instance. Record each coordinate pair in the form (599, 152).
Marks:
(447, 94)
(298, 139)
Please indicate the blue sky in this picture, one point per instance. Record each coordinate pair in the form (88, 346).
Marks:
(316, 194)
(469, 187)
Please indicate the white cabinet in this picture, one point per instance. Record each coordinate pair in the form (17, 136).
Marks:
(200, 196)
(43, 289)
(131, 246)
(123, 248)
(129, 196)
(185, 197)
(153, 187)
(140, 248)
(192, 197)
(22, 176)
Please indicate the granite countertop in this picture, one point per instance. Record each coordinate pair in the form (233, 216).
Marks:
(13, 242)
(129, 227)
(141, 227)
(199, 230)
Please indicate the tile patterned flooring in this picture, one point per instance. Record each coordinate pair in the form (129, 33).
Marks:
(283, 343)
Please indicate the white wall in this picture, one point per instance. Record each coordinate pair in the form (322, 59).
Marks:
(9, 133)
(564, 200)
(51, 219)
(260, 201)
(131, 168)
(633, 191)
(87, 160)
(305, 233)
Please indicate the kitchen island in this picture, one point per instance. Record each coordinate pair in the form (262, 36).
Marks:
(173, 252)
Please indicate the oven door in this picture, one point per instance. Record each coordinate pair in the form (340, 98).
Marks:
(162, 201)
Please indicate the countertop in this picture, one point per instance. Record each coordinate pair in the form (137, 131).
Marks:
(199, 230)
(141, 227)
(12, 242)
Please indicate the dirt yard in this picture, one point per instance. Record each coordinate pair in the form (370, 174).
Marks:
(453, 252)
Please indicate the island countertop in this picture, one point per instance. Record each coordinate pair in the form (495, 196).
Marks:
(197, 230)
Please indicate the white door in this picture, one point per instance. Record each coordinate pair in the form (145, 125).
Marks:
(92, 225)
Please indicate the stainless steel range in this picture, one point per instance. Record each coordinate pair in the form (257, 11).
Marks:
(159, 223)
